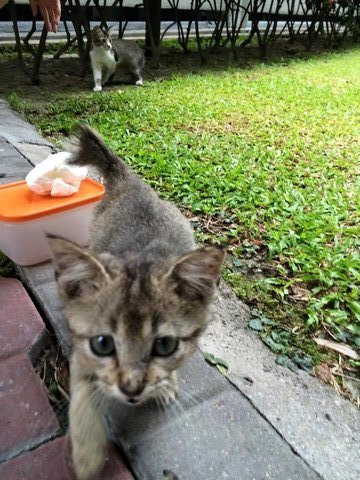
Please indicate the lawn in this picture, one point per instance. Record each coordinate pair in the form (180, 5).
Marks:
(263, 158)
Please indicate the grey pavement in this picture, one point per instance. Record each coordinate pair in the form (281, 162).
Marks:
(133, 30)
(261, 422)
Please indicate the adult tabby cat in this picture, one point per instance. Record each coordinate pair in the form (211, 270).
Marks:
(107, 55)
(136, 300)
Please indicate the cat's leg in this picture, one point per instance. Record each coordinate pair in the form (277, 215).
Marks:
(137, 77)
(111, 78)
(97, 74)
(87, 431)
(109, 74)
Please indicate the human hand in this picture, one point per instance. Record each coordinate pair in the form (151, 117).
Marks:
(50, 11)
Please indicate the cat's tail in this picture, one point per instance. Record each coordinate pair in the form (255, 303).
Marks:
(88, 149)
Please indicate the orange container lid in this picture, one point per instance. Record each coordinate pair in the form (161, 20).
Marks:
(18, 203)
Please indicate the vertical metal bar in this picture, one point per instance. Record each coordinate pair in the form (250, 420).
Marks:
(38, 57)
(17, 35)
(153, 23)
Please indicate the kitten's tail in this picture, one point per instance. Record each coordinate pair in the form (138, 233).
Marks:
(88, 149)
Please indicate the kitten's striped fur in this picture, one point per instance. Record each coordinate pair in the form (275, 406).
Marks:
(140, 293)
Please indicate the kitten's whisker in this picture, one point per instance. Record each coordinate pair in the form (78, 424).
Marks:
(174, 403)
(82, 389)
(177, 409)
(179, 406)
(97, 396)
(188, 396)
(162, 400)
(157, 401)
(163, 408)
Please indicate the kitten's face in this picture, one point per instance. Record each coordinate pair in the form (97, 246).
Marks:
(101, 38)
(134, 324)
(132, 337)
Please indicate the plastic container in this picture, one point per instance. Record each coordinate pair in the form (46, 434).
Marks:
(26, 218)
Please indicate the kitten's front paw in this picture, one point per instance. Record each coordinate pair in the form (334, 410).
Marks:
(87, 464)
(139, 83)
(97, 88)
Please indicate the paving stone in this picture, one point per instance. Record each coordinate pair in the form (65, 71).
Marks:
(34, 153)
(53, 461)
(321, 427)
(12, 164)
(22, 328)
(39, 279)
(115, 468)
(38, 275)
(26, 417)
(213, 433)
(14, 128)
(49, 461)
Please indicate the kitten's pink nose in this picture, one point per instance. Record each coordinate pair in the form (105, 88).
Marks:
(131, 389)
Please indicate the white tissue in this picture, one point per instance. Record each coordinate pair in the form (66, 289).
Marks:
(53, 176)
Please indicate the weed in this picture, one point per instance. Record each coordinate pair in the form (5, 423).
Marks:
(6, 266)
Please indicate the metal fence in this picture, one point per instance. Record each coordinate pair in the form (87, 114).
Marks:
(235, 23)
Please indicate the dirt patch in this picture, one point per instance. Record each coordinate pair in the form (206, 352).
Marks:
(56, 76)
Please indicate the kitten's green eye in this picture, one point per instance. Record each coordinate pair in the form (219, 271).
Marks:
(102, 345)
(165, 346)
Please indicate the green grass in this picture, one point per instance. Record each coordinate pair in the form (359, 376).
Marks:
(273, 154)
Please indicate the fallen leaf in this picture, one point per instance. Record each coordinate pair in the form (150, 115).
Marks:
(222, 369)
(299, 293)
(338, 347)
(323, 371)
(219, 363)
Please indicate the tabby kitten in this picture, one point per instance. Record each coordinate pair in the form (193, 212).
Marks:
(109, 54)
(136, 300)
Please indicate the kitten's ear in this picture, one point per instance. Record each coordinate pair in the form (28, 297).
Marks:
(78, 273)
(196, 274)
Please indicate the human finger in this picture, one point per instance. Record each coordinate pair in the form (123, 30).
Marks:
(54, 10)
(34, 7)
(45, 15)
